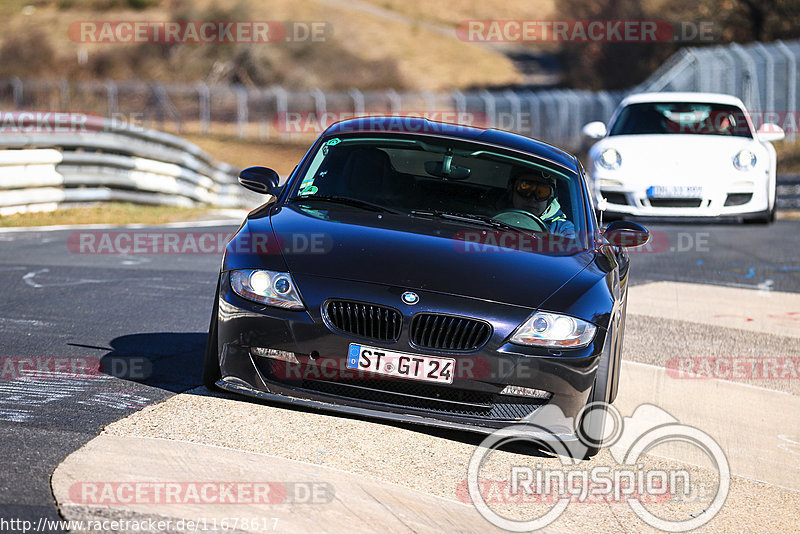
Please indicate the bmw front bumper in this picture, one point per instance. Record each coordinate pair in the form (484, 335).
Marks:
(320, 378)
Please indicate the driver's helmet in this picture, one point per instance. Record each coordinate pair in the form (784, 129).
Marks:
(529, 182)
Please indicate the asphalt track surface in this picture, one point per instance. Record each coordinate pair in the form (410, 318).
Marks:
(145, 317)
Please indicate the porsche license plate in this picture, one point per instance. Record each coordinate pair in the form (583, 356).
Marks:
(401, 364)
(675, 191)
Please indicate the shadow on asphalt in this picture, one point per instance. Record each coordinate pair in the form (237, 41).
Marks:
(165, 360)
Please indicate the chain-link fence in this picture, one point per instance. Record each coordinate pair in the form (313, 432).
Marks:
(765, 76)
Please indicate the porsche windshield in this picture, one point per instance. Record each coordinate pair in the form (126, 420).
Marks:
(446, 178)
(681, 118)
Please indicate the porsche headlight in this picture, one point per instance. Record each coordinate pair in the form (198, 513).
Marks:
(744, 160)
(609, 159)
(266, 287)
(544, 329)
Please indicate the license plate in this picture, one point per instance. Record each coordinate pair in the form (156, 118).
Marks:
(401, 364)
(675, 191)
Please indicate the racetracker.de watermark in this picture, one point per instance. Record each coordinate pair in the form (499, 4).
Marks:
(28, 367)
(733, 368)
(196, 242)
(487, 242)
(67, 122)
(198, 31)
(200, 492)
(312, 122)
(585, 31)
(74, 367)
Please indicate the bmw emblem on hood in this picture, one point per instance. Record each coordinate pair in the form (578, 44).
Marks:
(410, 298)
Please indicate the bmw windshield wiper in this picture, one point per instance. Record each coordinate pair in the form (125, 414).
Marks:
(473, 218)
(345, 200)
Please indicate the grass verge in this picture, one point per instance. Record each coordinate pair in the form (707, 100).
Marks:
(106, 213)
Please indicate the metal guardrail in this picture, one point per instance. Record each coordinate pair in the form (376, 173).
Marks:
(788, 191)
(107, 161)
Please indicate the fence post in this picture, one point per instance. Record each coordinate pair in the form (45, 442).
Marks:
(430, 103)
(112, 92)
(394, 101)
(791, 94)
(769, 101)
(751, 75)
(204, 100)
(514, 103)
(489, 107)
(263, 124)
(241, 110)
(533, 107)
(17, 87)
(64, 94)
(358, 101)
(281, 108)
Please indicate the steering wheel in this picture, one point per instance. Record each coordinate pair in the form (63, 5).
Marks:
(523, 219)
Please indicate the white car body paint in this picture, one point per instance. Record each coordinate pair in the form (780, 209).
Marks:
(684, 160)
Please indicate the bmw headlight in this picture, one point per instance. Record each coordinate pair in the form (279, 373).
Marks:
(544, 329)
(609, 159)
(266, 287)
(744, 160)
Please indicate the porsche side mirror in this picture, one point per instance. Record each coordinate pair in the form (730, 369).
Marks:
(626, 234)
(260, 179)
(770, 132)
(594, 130)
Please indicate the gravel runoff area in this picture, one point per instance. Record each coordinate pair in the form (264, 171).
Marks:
(436, 462)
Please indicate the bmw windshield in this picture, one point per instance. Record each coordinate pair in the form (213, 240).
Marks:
(439, 177)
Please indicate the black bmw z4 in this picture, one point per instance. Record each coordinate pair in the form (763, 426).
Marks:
(427, 273)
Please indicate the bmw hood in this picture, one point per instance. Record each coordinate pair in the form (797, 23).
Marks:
(416, 253)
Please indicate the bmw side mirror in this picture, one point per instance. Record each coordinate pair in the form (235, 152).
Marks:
(594, 130)
(260, 179)
(626, 234)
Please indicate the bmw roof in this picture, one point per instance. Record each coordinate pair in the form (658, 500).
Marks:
(416, 125)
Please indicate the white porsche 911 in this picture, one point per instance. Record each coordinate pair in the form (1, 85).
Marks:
(684, 154)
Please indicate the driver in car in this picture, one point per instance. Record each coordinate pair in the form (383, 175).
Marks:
(535, 192)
